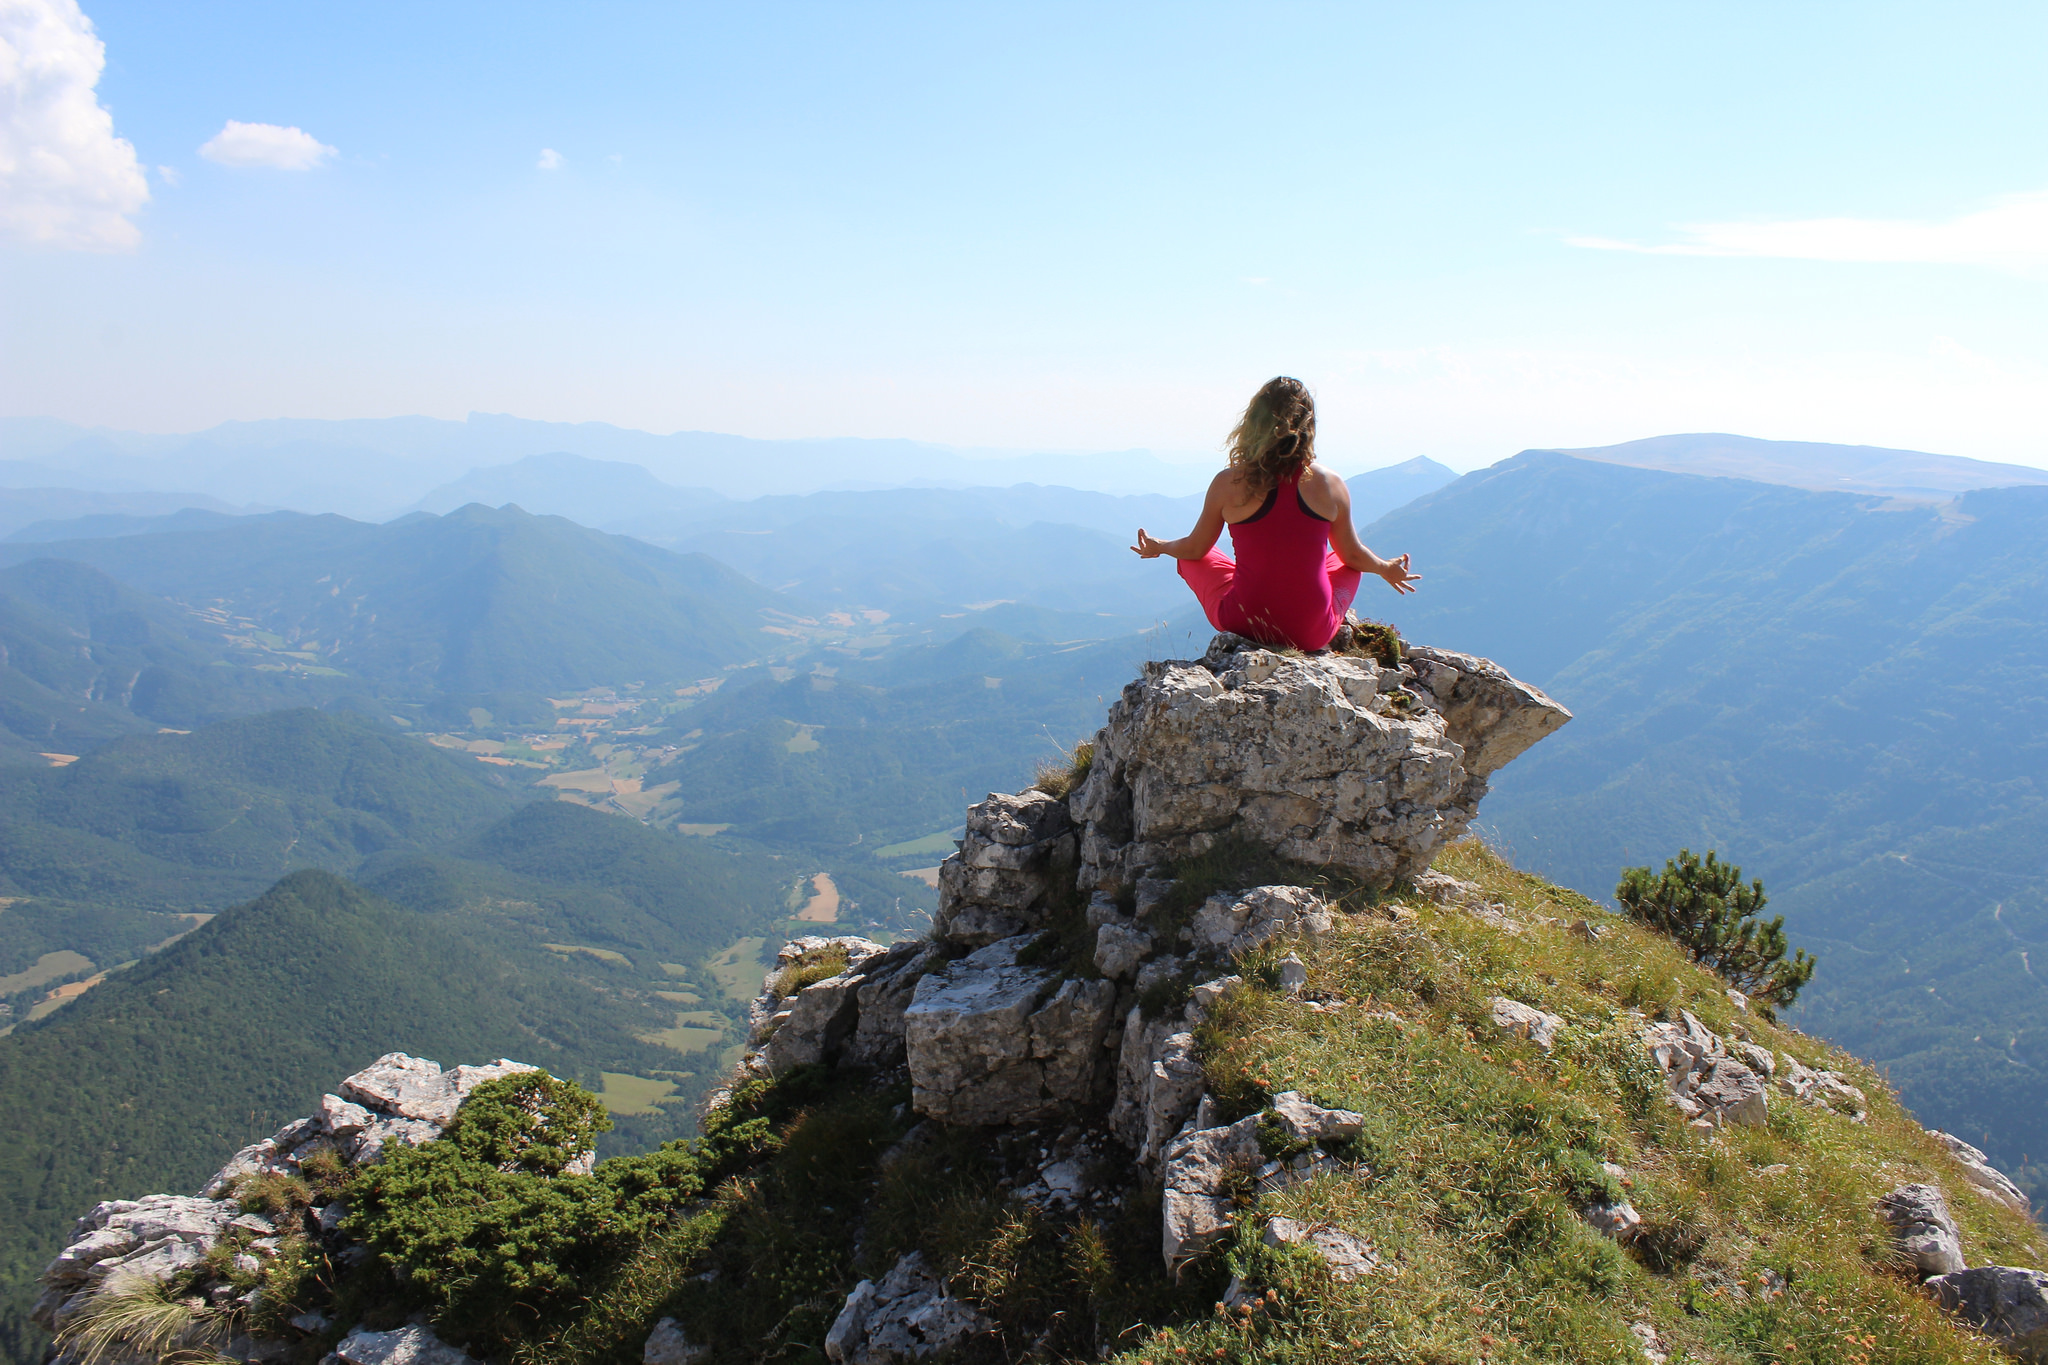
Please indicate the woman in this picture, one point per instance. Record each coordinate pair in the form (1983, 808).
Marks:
(1298, 558)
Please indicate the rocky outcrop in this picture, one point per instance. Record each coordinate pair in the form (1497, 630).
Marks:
(409, 1345)
(1704, 1080)
(1326, 759)
(1924, 1229)
(1209, 1170)
(123, 1246)
(1978, 1170)
(1526, 1021)
(669, 1344)
(992, 1041)
(2006, 1303)
(909, 1315)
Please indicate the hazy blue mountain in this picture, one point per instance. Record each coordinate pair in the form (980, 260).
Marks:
(479, 600)
(1379, 491)
(375, 467)
(28, 506)
(1815, 465)
(102, 525)
(598, 493)
(1842, 694)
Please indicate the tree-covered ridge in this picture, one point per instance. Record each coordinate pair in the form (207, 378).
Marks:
(479, 600)
(191, 821)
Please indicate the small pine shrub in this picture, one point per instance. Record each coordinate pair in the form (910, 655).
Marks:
(1705, 907)
(481, 1226)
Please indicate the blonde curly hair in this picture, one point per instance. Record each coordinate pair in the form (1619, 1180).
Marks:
(1276, 434)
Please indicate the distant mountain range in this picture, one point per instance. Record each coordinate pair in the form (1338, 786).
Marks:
(375, 468)
(1815, 465)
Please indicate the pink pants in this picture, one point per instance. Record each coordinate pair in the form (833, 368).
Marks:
(1307, 621)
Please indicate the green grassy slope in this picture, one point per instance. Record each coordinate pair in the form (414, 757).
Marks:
(1846, 696)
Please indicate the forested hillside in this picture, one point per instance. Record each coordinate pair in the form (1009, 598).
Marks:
(149, 1079)
(1842, 693)
(480, 600)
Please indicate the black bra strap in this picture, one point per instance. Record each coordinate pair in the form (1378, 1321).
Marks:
(1272, 496)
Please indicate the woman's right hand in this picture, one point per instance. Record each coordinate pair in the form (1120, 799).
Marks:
(1395, 571)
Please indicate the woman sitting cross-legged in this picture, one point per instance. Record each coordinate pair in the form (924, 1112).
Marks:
(1298, 558)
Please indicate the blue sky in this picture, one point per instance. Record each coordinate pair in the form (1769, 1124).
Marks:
(1473, 228)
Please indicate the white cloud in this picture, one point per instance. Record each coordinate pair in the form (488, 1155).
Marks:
(550, 160)
(264, 144)
(65, 179)
(2011, 234)
(169, 175)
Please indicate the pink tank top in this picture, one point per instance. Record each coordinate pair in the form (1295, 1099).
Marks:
(1282, 592)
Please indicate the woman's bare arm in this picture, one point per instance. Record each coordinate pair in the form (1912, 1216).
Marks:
(1328, 496)
(1222, 494)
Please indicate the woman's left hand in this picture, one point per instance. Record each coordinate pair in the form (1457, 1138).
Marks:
(1148, 548)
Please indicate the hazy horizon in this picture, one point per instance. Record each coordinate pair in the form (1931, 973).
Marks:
(1472, 231)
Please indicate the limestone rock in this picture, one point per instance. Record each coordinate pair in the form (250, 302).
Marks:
(410, 1345)
(1824, 1089)
(1619, 1221)
(818, 1021)
(1158, 1084)
(413, 1088)
(909, 1315)
(1924, 1228)
(1492, 715)
(668, 1345)
(1348, 1255)
(1730, 1092)
(1293, 974)
(2005, 1303)
(1526, 1021)
(885, 989)
(1236, 922)
(1200, 1166)
(342, 1119)
(995, 886)
(1119, 948)
(1706, 1083)
(989, 1041)
(1979, 1171)
(1306, 1122)
(1326, 759)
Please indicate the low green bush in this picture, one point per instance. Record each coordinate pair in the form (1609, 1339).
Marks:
(1715, 918)
(482, 1228)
